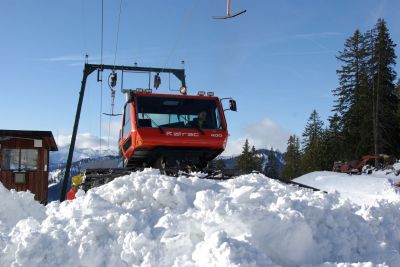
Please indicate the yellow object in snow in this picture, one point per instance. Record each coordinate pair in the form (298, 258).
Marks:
(77, 179)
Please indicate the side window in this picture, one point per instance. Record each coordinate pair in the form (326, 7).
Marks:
(29, 159)
(127, 125)
(218, 118)
(11, 159)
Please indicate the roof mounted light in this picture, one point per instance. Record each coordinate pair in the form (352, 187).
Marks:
(139, 90)
(201, 93)
(210, 93)
(148, 91)
(183, 90)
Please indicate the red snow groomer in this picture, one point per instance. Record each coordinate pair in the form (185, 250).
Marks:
(355, 166)
(172, 132)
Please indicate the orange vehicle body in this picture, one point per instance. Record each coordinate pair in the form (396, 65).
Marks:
(143, 146)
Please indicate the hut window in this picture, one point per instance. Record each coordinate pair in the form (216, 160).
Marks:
(10, 159)
(29, 159)
(19, 178)
(19, 159)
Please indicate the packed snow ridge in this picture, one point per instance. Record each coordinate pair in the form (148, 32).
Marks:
(148, 219)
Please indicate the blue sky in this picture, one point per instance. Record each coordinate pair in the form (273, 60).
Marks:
(277, 60)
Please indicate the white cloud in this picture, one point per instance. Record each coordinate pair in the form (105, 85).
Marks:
(263, 134)
(88, 141)
(75, 59)
(79, 58)
(109, 139)
(115, 126)
(234, 147)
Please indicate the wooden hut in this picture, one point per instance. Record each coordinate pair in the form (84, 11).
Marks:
(24, 161)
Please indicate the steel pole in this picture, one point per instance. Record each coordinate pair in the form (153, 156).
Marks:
(86, 72)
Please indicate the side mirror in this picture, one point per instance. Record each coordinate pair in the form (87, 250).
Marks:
(232, 105)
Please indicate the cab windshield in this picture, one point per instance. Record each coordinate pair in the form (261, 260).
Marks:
(168, 112)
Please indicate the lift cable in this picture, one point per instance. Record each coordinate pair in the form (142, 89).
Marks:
(112, 78)
(109, 129)
(118, 27)
(101, 71)
(102, 32)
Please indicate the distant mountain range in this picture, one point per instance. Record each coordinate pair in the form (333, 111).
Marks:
(59, 158)
(81, 160)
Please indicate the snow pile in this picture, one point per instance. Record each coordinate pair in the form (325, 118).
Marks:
(14, 207)
(396, 166)
(147, 219)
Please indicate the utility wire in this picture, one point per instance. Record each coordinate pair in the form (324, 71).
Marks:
(109, 129)
(119, 22)
(115, 60)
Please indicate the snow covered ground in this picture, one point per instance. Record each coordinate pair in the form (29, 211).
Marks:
(148, 219)
(361, 189)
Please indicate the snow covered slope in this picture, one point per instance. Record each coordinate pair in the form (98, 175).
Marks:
(361, 189)
(148, 219)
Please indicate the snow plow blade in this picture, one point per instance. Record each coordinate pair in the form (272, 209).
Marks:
(302, 185)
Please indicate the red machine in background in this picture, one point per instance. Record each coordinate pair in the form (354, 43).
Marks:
(355, 166)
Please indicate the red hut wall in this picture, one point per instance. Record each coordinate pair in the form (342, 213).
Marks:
(36, 181)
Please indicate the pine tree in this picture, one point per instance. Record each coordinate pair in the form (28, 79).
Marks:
(353, 58)
(354, 113)
(385, 101)
(220, 165)
(244, 161)
(271, 168)
(255, 160)
(292, 167)
(333, 144)
(313, 129)
(313, 144)
(362, 124)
